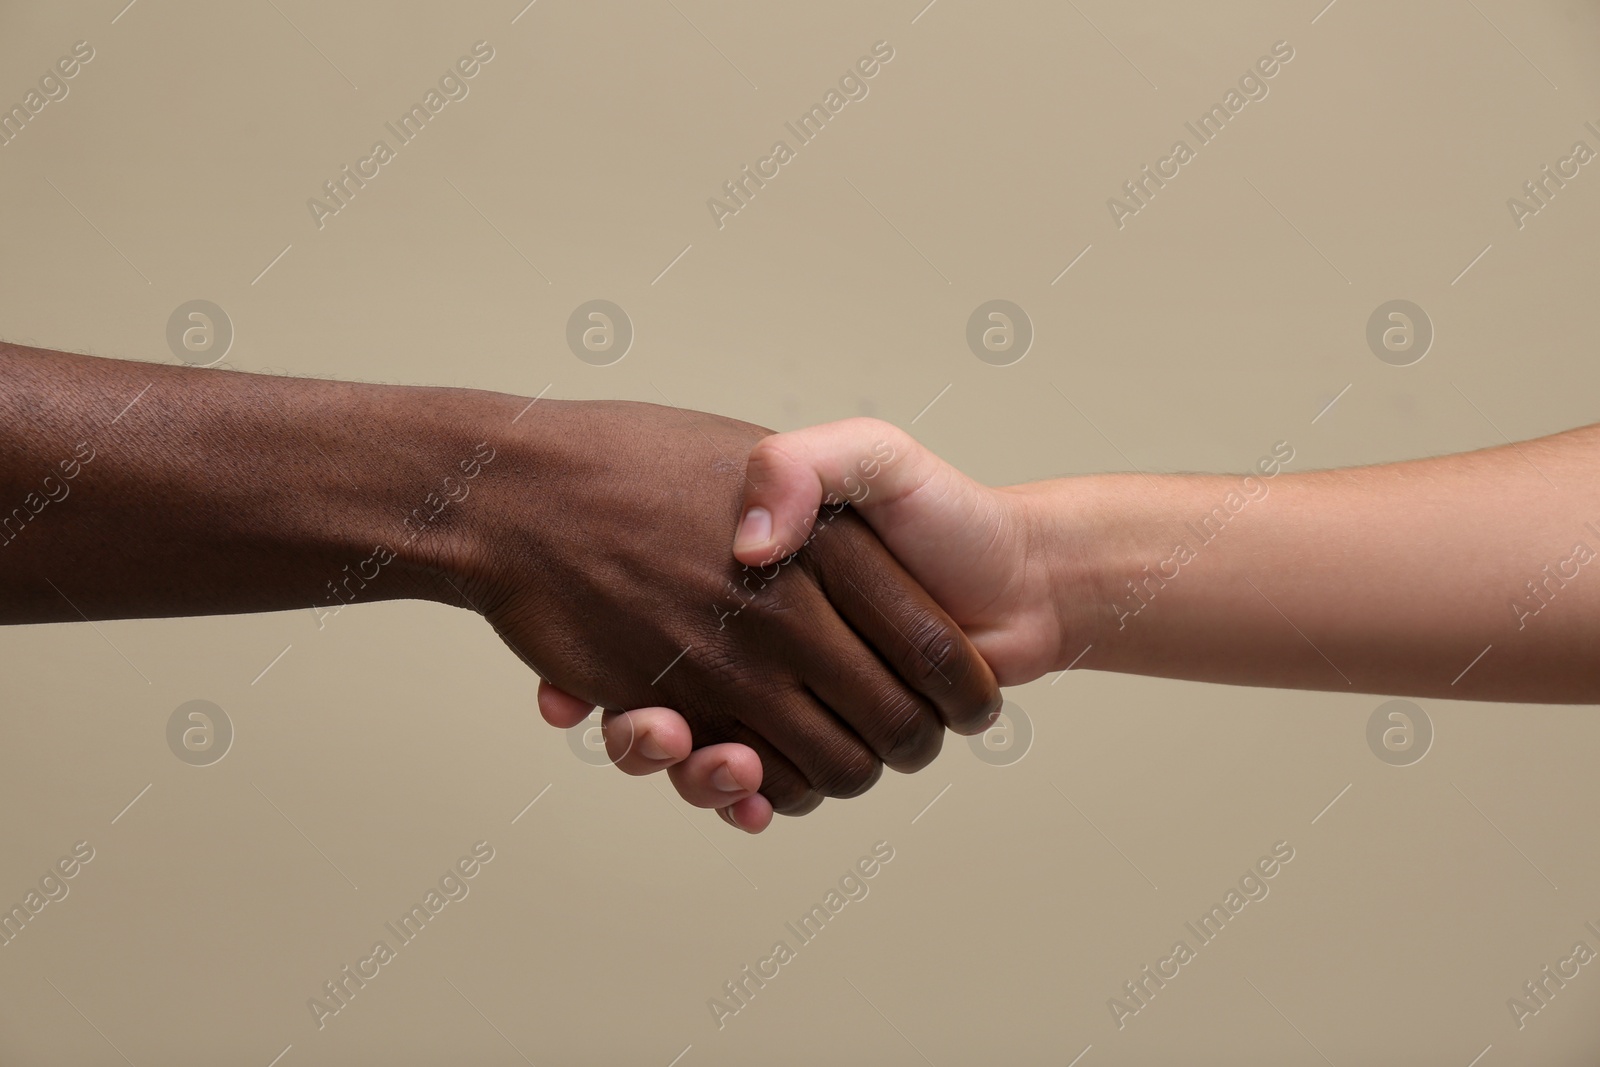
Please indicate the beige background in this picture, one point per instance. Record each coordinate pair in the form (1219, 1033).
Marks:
(1223, 318)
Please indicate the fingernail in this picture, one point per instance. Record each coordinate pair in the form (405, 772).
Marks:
(755, 529)
(651, 748)
(723, 779)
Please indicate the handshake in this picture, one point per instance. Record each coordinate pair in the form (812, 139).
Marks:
(791, 660)
(740, 603)
(774, 618)
(596, 537)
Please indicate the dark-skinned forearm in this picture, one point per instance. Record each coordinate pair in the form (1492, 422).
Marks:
(140, 490)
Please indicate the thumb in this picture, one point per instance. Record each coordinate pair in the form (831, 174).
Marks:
(867, 463)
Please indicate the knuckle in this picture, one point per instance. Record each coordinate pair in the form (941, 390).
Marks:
(800, 802)
(770, 619)
(786, 790)
(865, 426)
(937, 663)
(907, 732)
(848, 774)
(764, 591)
(768, 456)
(944, 667)
(875, 432)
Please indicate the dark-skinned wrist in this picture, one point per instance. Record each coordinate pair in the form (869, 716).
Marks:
(416, 514)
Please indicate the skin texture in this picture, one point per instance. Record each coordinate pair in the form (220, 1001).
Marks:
(1391, 579)
(592, 536)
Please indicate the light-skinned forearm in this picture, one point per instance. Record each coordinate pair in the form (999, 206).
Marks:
(1387, 579)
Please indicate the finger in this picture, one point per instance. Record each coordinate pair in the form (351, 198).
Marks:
(881, 602)
(646, 740)
(903, 729)
(717, 776)
(871, 464)
(781, 781)
(752, 815)
(833, 760)
(560, 708)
